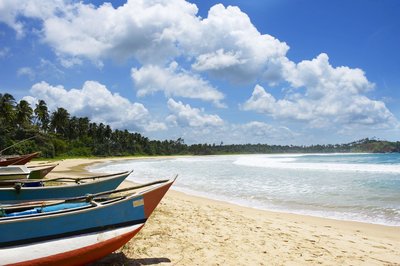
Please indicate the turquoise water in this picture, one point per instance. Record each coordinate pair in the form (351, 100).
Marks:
(357, 187)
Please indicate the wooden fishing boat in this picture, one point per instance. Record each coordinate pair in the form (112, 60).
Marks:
(40, 171)
(14, 172)
(17, 160)
(22, 191)
(77, 231)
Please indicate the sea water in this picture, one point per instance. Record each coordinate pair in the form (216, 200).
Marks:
(356, 187)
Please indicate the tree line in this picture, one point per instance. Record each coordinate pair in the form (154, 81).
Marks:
(57, 133)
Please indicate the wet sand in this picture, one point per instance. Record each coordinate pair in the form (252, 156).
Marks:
(189, 230)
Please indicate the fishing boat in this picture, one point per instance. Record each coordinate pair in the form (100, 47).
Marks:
(14, 172)
(40, 171)
(77, 231)
(13, 191)
(17, 160)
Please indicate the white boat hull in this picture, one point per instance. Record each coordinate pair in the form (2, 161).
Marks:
(77, 250)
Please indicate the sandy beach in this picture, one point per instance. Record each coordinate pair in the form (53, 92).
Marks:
(189, 230)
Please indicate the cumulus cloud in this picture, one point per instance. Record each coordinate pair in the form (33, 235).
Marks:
(174, 82)
(131, 30)
(318, 76)
(95, 101)
(186, 116)
(233, 49)
(12, 11)
(332, 97)
(217, 60)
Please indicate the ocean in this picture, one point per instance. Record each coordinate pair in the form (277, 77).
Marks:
(354, 187)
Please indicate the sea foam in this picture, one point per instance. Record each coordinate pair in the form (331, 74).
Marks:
(281, 162)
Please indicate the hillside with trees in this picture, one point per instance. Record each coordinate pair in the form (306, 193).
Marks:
(24, 129)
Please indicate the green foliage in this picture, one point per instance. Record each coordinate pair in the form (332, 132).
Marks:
(23, 130)
(80, 152)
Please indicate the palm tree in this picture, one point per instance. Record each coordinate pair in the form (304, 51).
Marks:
(83, 126)
(42, 115)
(59, 121)
(100, 133)
(107, 132)
(24, 114)
(7, 109)
(72, 132)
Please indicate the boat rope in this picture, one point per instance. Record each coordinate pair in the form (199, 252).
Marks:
(17, 143)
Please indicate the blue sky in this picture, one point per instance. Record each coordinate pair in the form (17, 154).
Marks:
(277, 72)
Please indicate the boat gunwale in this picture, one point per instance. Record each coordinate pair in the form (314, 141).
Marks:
(96, 179)
(41, 167)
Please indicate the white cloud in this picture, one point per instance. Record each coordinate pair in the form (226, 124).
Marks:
(217, 60)
(69, 62)
(225, 44)
(78, 29)
(319, 77)
(155, 126)
(10, 12)
(185, 115)
(260, 132)
(145, 30)
(332, 97)
(26, 71)
(95, 101)
(330, 108)
(266, 131)
(245, 51)
(251, 132)
(174, 82)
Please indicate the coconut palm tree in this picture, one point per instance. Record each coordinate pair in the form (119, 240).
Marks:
(24, 114)
(83, 126)
(7, 109)
(42, 117)
(59, 121)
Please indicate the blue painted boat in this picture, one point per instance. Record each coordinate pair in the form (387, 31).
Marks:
(76, 231)
(20, 191)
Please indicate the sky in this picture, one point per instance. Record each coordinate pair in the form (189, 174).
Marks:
(296, 72)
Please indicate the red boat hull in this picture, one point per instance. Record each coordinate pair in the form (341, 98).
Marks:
(19, 160)
(82, 255)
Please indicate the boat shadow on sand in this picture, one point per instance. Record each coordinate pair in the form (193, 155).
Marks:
(117, 259)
